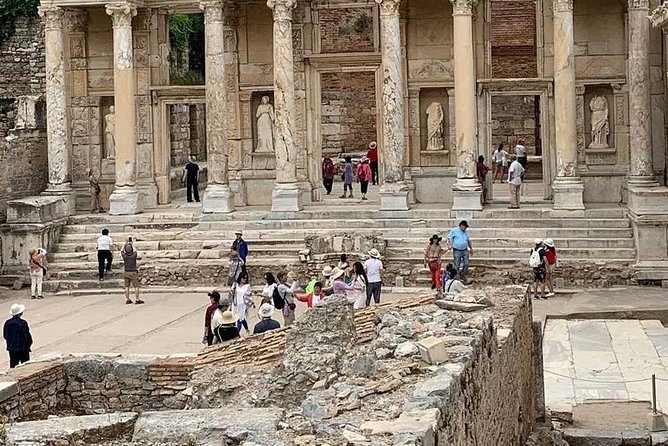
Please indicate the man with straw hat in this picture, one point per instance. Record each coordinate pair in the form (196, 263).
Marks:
(224, 324)
(266, 323)
(17, 334)
(374, 268)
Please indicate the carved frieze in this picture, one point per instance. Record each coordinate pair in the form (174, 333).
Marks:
(431, 69)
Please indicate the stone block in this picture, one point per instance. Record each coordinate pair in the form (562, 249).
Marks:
(659, 438)
(636, 438)
(40, 209)
(439, 386)
(8, 389)
(432, 350)
(286, 198)
(125, 201)
(590, 437)
(421, 424)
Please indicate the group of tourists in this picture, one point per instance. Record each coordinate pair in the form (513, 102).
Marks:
(366, 172)
(454, 276)
(543, 260)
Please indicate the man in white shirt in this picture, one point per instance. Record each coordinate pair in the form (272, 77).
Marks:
(373, 267)
(104, 248)
(515, 173)
(521, 153)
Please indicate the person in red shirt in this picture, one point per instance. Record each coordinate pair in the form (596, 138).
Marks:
(214, 297)
(372, 154)
(314, 298)
(364, 174)
(551, 257)
(328, 172)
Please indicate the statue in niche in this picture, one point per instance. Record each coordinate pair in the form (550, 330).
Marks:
(435, 127)
(265, 126)
(600, 126)
(109, 133)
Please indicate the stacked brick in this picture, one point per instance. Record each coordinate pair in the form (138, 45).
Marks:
(513, 39)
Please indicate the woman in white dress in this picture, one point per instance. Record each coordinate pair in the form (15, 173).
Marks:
(242, 301)
(357, 296)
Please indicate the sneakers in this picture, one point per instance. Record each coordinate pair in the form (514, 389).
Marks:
(33, 297)
(549, 295)
(139, 302)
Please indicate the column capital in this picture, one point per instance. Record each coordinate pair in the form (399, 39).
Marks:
(390, 7)
(213, 10)
(121, 13)
(77, 20)
(463, 6)
(282, 9)
(562, 5)
(639, 5)
(52, 16)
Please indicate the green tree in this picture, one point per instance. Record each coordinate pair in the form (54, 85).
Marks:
(11, 11)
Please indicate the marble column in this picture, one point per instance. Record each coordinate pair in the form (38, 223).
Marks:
(467, 191)
(567, 186)
(124, 199)
(56, 103)
(285, 196)
(393, 190)
(218, 197)
(640, 134)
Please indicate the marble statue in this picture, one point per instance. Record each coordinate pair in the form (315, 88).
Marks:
(265, 126)
(600, 127)
(109, 133)
(435, 127)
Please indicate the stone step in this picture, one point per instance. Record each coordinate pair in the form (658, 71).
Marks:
(416, 254)
(258, 253)
(141, 245)
(525, 243)
(52, 286)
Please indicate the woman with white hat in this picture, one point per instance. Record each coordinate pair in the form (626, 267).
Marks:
(374, 269)
(17, 334)
(551, 257)
(372, 154)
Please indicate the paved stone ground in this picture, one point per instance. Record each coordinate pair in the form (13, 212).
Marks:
(170, 322)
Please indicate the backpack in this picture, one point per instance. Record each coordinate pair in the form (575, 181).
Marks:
(534, 258)
(279, 302)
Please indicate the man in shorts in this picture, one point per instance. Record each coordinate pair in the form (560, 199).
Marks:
(540, 271)
(131, 274)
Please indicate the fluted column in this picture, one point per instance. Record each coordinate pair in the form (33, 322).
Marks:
(125, 198)
(218, 197)
(640, 134)
(567, 187)
(56, 102)
(393, 190)
(467, 190)
(285, 197)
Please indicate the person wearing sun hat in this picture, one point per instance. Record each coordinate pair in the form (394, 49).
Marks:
(266, 323)
(339, 285)
(551, 258)
(374, 269)
(538, 262)
(372, 154)
(17, 335)
(224, 324)
(432, 259)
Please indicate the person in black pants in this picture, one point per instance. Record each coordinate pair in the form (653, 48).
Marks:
(104, 248)
(17, 334)
(191, 177)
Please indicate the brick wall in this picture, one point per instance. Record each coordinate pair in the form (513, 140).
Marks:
(514, 118)
(348, 111)
(22, 69)
(179, 133)
(513, 38)
(346, 30)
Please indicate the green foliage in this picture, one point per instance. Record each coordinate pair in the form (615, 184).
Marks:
(10, 11)
(186, 38)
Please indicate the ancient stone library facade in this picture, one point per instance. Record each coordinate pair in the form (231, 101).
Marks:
(436, 83)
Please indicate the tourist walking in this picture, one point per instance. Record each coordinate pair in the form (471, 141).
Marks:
(374, 269)
(38, 270)
(214, 300)
(515, 175)
(452, 285)
(17, 335)
(521, 153)
(287, 287)
(105, 245)
(223, 324)
(500, 159)
(191, 178)
(458, 240)
(234, 267)
(347, 177)
(240, 245)
(538, 262)
(266, 323)
(363, 174)
(551, 258)
(433, 254)
(328, 172)
(313, 298)
(242, 301)
(131, 272)
(357, 294)
(372, 154)
(481, 170)
(95, 191)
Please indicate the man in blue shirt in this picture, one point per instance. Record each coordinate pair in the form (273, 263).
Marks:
(240, 246)
(458, 240)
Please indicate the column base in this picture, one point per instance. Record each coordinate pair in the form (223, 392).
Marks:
(286, 198)
(125, 200)
(644, 200)
(467, 195)
(218, 199)
(67, 196)
(568, 193)
(641, 181)
(394, 196)
(148, 194)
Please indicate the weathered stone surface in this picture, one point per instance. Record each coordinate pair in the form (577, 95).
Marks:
(39, 209)
(422, 424)
(590, 437)
(458, 306)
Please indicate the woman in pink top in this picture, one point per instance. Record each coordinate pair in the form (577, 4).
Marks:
(37, 272)
(363, 174)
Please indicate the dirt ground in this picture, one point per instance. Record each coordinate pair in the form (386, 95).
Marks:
(611, 415)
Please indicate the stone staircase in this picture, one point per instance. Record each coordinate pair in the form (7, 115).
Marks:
(179, 245)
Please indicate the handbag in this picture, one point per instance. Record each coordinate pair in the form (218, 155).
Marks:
(40, 265)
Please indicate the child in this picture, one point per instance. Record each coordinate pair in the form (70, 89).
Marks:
(347, 177)
(314, 298)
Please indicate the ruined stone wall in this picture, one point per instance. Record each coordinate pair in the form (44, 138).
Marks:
(346, 30)
(514, 118)
(348, 111)
(179, 134)
(22, 69)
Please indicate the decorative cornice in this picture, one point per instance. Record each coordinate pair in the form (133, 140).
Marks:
(52, 16)
(463, 6)
(282, 9)
(562, 5)
(389, 7)
(639, 5)
(121, 13)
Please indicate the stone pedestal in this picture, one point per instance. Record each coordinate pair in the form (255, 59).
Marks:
(286, 198)
(466, 195)
(568, 193)
(125, 201)
(648, 213)
(394, 197)
(218, 198)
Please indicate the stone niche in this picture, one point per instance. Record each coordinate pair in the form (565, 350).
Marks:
(262, 159)
(434, 108)
(599, 114)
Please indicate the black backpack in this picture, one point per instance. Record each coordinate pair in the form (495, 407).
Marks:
(279, 302)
